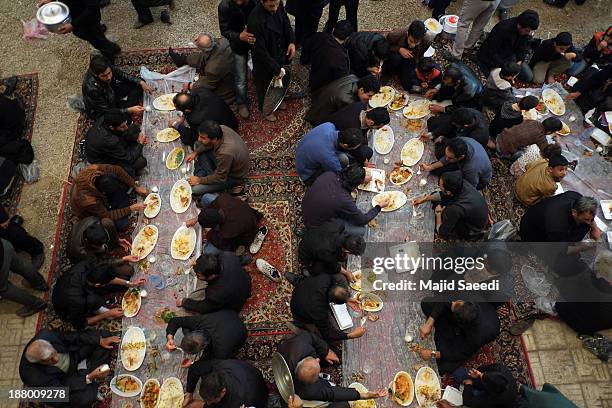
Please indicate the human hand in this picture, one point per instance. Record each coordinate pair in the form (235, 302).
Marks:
(375, 70)
(419, 201)
(295, 402)
(356, 333)
(145, 87)
(247, 37)
(125, 244)
(137, 283)
(107, 342)
(179, 302)
(377, 394)
(187, 399)
(435, 108)
(570, 56)
(425, 167)
(425, 330)
(332, 357)
(424, 85)
(191, 222)
(193, 180)
(425, 354)
(384, 202)
(431, 93)
(141, 191)
(185, 87)
(572, 96)
(439, 209)
(348, 275)
(367, 178)
(115, 313)
(130, 258)
(291, 51)
(354, 304)
(142, 139)
(135, 109)
(405, 53)
(191, 157)
(65, 29)
(468, 382)
(98, 373)
(443, 404)
(43, 2)
(595, 232)
(170, 345)
(474, 373)
(136, 207)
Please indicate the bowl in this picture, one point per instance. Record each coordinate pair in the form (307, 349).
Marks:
(53, 15)
(158, 282)
(449, 23)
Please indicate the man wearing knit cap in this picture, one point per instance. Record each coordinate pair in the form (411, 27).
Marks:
(508, 42)
(540, 179)
(552, 57)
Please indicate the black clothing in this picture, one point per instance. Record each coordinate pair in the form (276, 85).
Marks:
(457, 344)
(546, 53)
(224, 329)
(243, 382)
(503, 44)
(100, 97)
(320, 250)
(79, 346)
(307, 15)
(143, 8)
(360, 50)
(505, 119)
(465, 215)
(483, 397)
(350, 7)
(331, 98)
(479, 131)
(306, 344)
(349, 117)
(8, 172)
(328, 60)
(85, 15)
(596, 92)
(229, 290)
(12, 124)
(19, 237)
(232, 19)
(465, 94)
(11, 262)
(310, 305)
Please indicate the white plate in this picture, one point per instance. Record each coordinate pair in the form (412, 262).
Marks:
(144, 386)
(606, 207)
(377, 174)
(550, 95)
(373, 296)
(565, 130)
(171, 163)
(400, 200)
(177, 400)
(384, 140)
(530, 114)
(412, 152)
(379, 100)
(401, 106)
(154, 210)
(433, 25)
(125, 394)
(192, 242)
(175, 204)
(167, 135)
(434, 381)
(133, 335)
(357, 284)
(361, 403)
(417, 109)
(403, 182)
(411, 396)
(164, 102)
(147, 248)
(125, 313)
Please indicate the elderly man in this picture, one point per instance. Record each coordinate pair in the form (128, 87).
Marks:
(233, 17)
(106, 88)
(540, 179)
(222, 160)
(143, 8)
(406, 50)
(218, 335)
(75, 360)
(214, 63)
(229, 285)
(303, 354)
(199, 105)
(274, 46)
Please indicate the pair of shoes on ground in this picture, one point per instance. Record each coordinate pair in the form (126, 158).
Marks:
(272, 117)
(27, 311)
(164, 17)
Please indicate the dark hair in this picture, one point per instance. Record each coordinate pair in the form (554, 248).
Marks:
(194, 342)
(551, 149)
(528, 102)
(379, 115)
(426, 65)
(458, 147)
(563, 38)
(95, 235)
(338, 293)
(417, 30)
(355, 244)
(211, 386)
(380, 48)
(187, 103)
(552, 124)
(211, 129)
(510, 69)
(101, 273)
(462, 116)
(351, 137)
(114, 118)
(98, 64)
(495, 382)
(352, 176)
(558, 160)
(466, 314)
(453, 181)
(107, 183)
(369, 83)
(207, 265)
(529, 19)
(342, 30)
(453, 73)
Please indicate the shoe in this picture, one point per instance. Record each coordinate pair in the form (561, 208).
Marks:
(301, 94)
(259, 239)
(503, 14)
(237, 190)
(243, 111)
(178, 59)
(38, 260)
(29, 311)
(292, 278)
(271, 118)
(245, 259)
(139, 24)
(268, 270)
(165, 17)
(104, 3)
(103, 27)
(10, 85)
(449, 57)
(17, 220)
(282, 106)
(41, 288)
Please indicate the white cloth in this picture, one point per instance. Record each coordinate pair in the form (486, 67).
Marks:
(278, 82)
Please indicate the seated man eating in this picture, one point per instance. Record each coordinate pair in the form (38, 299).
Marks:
(511, 142)
(459, 85)
(466, 122)
(511, 114)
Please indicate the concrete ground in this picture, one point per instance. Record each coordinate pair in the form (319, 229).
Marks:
(61, 61)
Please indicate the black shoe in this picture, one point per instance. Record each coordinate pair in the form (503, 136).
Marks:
(17, 220)
(178, 59)
(292, 278)
(246, 259)
(104, 3)
(10, 85)
(449, 57)
(41, 288)
(103, 27)
(38, 260)
(27, 311)
(165, 17)
(301, 94)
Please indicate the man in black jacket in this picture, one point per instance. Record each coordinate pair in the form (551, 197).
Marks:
(112, 141)
(489, 386)
(462, 122)
(219, 334)
(106, 88)
(233, 17)
(594, 91)
(55, 359)
(459, 85)
(227, 384)
(198, 105)
(331, 60)
(85, 24)
(462, 328)
(367, 51)
(13, 146)
(552, 57)
(229, 285)
(310, 306)
(508, 41)
(274, 45)
(358, 115)
(307, 15)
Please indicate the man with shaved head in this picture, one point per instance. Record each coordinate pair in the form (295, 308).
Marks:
(215, 65)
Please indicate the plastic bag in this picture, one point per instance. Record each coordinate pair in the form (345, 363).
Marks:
(30, 172)
(503, 231)
(34, 29)
(535, 281)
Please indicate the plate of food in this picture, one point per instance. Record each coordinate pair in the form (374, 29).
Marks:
(164, 102)
(606, 207)
(180, 196)
(396, 200)
(361, 403)
(167, 135)
(145, 241)
(427, 387)
(402, 389)
(417, 109)
(412, 152)
(565, 130)
(384, 139)
(400, 175)
(175, 158)
(131, 302)
(126, 385)
(433, 25)
(370, 302)
(553, 102)
(383, 97)
(171, 393)
(399, 101)
(133, 349)
(153, 205)
(531, 114)
(357, 284)
(183, 243)
(377, 183)
(150, 394)
(414, 125)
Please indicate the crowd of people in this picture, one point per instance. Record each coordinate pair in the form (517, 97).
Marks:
(347, 67)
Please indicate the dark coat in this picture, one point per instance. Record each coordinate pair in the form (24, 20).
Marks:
(12, 120)
(229, 290)
(478, 396)
(349, 117)
(243, 382)
(546, 53)
(464, 215)
(479, 131)
(102, 145)
(503, 44)
(84, 12)
(99, 96)
(320, 249)
(232, 19)
(77, 248)
(216, 70)
(224, 329)
(331, 98)
(466, 93)
(328, 60)
(359, 46)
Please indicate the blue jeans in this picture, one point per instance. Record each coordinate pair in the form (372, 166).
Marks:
(208, 198)
(352, 228)
(210, 249)
(205, 165)
(240, 78)
(576, 68)
(460, 375)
